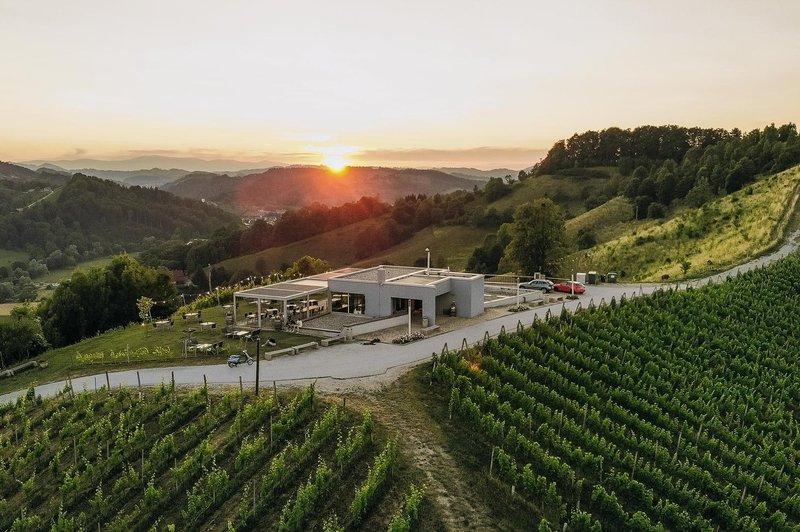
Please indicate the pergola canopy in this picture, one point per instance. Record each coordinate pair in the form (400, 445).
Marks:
(289, 290)
(285, 291)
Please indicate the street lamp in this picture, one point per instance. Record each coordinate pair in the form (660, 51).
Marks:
(257, 335)
(428, 251)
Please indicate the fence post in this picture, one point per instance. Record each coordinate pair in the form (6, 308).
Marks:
(108, 383)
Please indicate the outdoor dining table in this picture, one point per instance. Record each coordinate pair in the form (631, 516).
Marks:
(201, 347)
(208, 325)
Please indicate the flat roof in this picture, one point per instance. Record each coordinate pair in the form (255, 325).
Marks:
(420, 279)
(403, 275)
(315, 284)
(284, 291)
(341, 272)
(371, 274)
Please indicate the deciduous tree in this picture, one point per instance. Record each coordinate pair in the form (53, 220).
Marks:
(538, 237)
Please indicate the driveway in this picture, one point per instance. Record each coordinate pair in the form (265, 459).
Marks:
(345, 363)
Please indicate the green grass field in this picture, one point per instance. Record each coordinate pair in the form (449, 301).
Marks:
(138, 346)
(450, 245)
(338, 247)
(721, 234)
(567, 191)
(56, 276)
(607, 221)
(8, 256)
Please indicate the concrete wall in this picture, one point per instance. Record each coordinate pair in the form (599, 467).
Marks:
(378, 297)
(468, 294)
(465, 291)
(377, 325)
(532, 297)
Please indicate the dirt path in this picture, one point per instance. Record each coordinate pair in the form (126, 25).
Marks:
(406, 417)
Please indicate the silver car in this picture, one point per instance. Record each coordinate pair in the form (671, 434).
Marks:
(537, 284)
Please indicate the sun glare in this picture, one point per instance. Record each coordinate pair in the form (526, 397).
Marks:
(335, 162)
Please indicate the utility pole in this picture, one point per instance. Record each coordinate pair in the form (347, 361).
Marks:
(257, 334)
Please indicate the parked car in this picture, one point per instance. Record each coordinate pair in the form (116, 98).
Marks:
(569, 287)
(537, 284)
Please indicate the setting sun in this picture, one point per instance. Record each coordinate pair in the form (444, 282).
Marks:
(335, 162)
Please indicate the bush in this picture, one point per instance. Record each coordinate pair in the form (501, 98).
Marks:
(656, 210)
(586, 238)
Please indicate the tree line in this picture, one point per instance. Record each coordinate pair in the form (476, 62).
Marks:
(662, 164)
(103, 298)
(402, 219)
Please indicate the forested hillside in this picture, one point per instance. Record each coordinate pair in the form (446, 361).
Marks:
(662, 164)
(103, 217)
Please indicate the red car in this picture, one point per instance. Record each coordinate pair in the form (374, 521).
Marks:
(569, 286)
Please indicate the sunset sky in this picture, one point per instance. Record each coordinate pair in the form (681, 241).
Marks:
(412, 83)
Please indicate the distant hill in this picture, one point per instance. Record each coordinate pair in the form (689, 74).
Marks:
(21, 187)
(105, 217)
(482, 175)
(13, 171)
(190, 164)
(291, 187)
(203, 185)
(155, 177)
